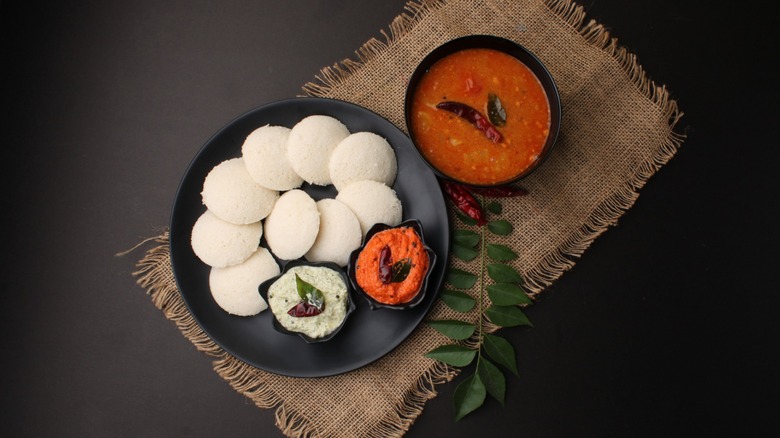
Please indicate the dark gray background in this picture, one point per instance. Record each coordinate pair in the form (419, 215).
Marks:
(666, 324)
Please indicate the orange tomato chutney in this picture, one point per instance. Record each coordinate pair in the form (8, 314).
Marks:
(403, 243)
(457, 148)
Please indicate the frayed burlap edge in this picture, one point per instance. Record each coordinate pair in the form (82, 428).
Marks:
(395, 424)
(154, 274)
(562, 258)
(154, 271)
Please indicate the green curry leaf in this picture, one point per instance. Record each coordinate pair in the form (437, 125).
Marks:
(500, 227)
(500, 253)
(309, 293)
(464, 252)
(466, 238)
(496, 111)
(507, 316)
(503, 273)
(507, 294)
(465, 219)
(495, 207)
(501, 351)
(457, 300)
(401, 269)
(469, 395)
(461, 279)
(455, 355)
(492, 378)
(453, 329)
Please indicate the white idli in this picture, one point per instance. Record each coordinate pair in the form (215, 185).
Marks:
(220, 244)
(362, 155)
(339, 234)
(235, 288)
(310, 144)
(293, 224)
(265, 157)
(233, 196)
(373, 203)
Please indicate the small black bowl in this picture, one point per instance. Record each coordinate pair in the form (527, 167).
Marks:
(511, 48)
(263, 289)
(374, 304)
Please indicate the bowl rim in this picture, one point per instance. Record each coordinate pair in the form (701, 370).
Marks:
(373, 304)
(265, 285)
(512, 48)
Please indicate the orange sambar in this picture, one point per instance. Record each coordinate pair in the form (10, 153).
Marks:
(457, 148)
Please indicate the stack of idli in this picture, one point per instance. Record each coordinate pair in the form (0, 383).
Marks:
(373, 203)
(227, 236)
(235, 288)
(265, 156)
(261, 194)
(231, 194)
(362, 156)
(338, 236)
(220, 244)
(292, 226)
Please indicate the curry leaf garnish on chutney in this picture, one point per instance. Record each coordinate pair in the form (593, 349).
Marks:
(312, 299)
(393, 272)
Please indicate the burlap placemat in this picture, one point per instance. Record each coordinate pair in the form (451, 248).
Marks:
(617, 131)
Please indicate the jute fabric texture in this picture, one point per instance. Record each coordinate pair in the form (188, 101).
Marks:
(617, 130)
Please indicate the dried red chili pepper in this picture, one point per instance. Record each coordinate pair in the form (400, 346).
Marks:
(475, 117)
(385, 265)
(499, 192)
(303, 309)
(465, 201)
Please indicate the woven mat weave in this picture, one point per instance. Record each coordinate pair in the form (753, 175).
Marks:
(617, 131)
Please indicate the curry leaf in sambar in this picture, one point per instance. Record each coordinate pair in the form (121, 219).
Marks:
(496, 111)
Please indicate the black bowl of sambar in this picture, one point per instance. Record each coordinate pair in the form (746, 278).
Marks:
(482, 111)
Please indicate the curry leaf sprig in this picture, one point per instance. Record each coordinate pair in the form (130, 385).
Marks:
(503, 285)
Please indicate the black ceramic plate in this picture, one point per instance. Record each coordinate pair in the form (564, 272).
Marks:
(367, 335)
